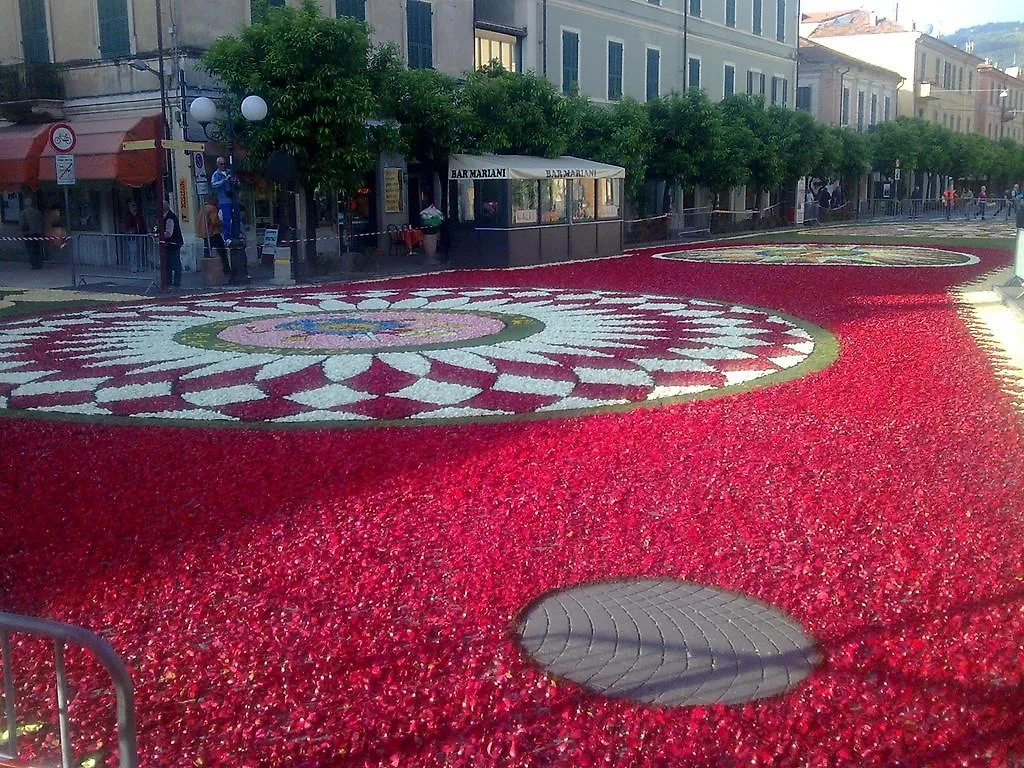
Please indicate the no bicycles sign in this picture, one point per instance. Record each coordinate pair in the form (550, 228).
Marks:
(62, 138)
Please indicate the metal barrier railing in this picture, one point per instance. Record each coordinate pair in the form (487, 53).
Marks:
(115, 257)
(62, 635)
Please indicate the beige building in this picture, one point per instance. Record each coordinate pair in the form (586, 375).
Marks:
(999, 111)
(94, 63)
(844, 91)
(939, 80)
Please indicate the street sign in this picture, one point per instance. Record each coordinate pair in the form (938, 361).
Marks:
(896, 175)
(199, 165)
(62, 137)
(65, 165)
(185, 146)
(133, 146)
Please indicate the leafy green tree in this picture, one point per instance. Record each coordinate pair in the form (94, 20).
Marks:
(854, 159)
(765, 164)
(318, 77)
(619, 134)
(800, 141)
(516, 114)
(727, 162)
(685, 128)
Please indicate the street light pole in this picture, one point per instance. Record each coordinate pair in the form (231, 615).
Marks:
(161, 152)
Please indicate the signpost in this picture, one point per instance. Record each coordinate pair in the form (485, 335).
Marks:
(63, 140)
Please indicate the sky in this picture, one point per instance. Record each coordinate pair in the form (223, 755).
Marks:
(947, 15)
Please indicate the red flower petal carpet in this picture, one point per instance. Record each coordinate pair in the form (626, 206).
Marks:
(313, 597)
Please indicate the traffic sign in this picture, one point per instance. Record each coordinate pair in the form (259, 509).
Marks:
(896, 175)
(199, 165)
(65, 169)
(62, 137)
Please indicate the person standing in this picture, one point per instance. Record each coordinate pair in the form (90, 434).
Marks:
(32, 229)
(210, 231)
(949, 201)
(134, 225)
(171, 239)
(224, 182)
(982, 202)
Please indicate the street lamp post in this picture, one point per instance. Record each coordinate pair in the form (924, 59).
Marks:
(254, 109)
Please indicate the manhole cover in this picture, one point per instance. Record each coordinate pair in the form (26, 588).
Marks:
(667, 642)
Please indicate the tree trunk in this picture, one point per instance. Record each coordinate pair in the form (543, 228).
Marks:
(309, 246)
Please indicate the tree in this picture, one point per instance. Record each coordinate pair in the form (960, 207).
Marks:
(619, 135)
(516, 114)
(315, 74)
(764, 163)
(685, 128)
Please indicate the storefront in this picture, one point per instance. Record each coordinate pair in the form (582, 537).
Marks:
(514, 210)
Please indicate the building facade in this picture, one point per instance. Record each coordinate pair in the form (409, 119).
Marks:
(840, 90)
(999, 104)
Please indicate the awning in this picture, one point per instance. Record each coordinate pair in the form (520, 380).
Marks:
(98, 153)
(526, 167)
(20, 146)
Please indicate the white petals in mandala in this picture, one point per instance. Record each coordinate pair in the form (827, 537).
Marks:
(397, 356)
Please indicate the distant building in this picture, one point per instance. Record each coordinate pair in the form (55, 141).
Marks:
(841, 90)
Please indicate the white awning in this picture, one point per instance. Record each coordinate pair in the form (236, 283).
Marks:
(527, 167)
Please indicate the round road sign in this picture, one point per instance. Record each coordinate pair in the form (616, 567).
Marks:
(62, 137)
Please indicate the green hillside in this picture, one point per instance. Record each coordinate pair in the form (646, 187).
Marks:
(1002, 42)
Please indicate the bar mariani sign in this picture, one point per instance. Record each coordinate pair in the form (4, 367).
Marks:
(501, 167)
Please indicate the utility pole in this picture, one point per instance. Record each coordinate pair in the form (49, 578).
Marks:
(162, 164)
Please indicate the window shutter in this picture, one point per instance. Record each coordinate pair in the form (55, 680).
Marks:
(757, 17)
(614, 71)
(114, 40)
(653, 73)
(35, 41)
(750, 83)
(785, 92)
(570, 61)
(419, 16)
(354, 8)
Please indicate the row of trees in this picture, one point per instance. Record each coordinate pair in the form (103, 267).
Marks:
(337, 100)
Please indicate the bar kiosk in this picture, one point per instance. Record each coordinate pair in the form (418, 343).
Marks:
(516, 210)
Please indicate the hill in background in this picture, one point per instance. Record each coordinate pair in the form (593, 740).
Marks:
(1001, 42)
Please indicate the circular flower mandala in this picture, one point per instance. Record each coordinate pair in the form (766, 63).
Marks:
(827, 254)
(398, 355)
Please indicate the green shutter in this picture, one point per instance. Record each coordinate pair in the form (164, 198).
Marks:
(34, 39)
(570, 61)
(614, 71)
(354, 8)
(421, 46)
(653, 73)
(114, 40)
(757, 17)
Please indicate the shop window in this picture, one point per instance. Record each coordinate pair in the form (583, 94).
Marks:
(85, 213)
(570, 61)
(489, 210)
(756, 22)
(467, 201)
(614, 70)
(653, 73)
(730, 13)
(35, 41)
(780, 21)
(419, 17)
(114, 37)
(552, 201)
(583, 199)
(729, 83)
(608, 191)
(10, 207)
(525, 199)
(354, 8)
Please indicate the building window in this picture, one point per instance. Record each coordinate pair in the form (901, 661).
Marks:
(885, 108)
(938, 64)
(776, 89)
(756, 23)
(695, 8)
(874, 108)
(614, 70)
(693, 73)
(970, 85)
(959, 122)
(803, 97)
(844, 109)
(491, 46)
(114, 39)
(35, 42)
(419, 16)
(961, 85)
(729, 82)
(570, 61)
(761, 83)
(780, 21)
(730, 13)
(354, 8)
(860, 110)
(968, 125)
(653, 73)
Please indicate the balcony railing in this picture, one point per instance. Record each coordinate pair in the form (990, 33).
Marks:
(30, 82)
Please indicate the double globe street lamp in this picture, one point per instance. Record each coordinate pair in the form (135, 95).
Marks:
(254, 109)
